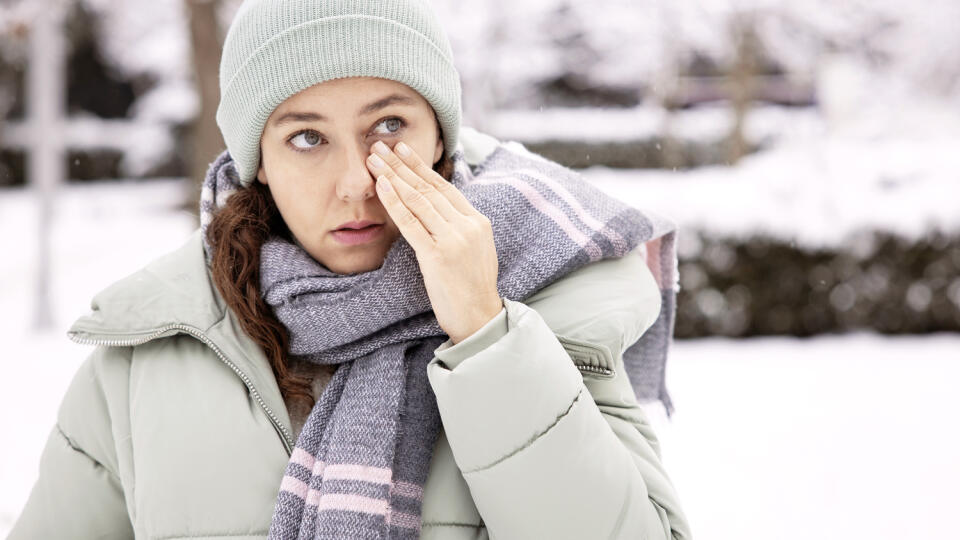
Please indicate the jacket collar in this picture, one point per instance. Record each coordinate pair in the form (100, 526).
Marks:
(175, 294)
(174, 288)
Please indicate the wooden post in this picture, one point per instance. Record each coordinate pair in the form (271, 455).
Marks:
(666, 88)
(207, 43)
(46, 163)
(742, 76)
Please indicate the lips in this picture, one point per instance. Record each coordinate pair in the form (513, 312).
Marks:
(351, 236)
(357, 224)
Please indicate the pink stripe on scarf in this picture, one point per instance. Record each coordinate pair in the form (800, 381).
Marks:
(619, 244)
(318, 467)
(548, 209)
(653, 261)
(352, 503)
(346, 471)
(295, 486)
(408, 490)
(377, 475)
(302, 457)
(402, 519)
(313, 497)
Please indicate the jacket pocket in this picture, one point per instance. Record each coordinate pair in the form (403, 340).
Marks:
(591, 359)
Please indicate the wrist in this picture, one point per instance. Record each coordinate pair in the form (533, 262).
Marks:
(491, 309)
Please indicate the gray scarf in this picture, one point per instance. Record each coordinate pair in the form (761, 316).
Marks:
(362, 458)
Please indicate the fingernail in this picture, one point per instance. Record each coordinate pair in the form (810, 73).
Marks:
(376, 161)
(383, 183)
(381, 148)
(402, 149)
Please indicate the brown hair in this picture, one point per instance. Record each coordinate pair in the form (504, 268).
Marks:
(236, 233)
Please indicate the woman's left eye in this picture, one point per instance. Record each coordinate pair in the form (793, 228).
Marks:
(309, 136)
(394, 122)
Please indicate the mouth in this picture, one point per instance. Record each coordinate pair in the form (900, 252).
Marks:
(354, 236)
(357, 224)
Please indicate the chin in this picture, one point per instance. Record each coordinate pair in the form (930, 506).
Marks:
(356, 263)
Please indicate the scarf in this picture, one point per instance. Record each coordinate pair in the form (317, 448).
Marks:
(362, 458)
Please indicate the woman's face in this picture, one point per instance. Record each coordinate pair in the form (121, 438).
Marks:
(314, 152)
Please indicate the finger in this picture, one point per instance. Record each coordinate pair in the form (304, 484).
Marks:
(449, 191)
(415, 201)
(440, 203)
(410, 226)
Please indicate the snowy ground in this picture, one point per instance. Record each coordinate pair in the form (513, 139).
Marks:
(833, 437)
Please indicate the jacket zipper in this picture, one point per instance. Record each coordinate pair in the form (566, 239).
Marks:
(287, 439)
(595, 369)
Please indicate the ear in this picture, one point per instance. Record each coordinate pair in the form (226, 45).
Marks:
(439, 151)
(261, 174)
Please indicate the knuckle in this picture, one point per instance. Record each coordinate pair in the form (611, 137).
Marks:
(445, 187)
(423, 170)
(482, 222)
(409, 219)
(417, 198)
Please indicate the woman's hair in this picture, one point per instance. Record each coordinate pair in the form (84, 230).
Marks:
(236, 233)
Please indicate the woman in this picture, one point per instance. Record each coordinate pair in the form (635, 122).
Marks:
(386, 327)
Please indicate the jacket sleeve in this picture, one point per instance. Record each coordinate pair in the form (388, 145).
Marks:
(78, 493)
(543, 456)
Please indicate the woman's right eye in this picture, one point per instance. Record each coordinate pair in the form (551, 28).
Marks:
(309, 136)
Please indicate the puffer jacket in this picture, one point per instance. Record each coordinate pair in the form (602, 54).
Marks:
(174, 426)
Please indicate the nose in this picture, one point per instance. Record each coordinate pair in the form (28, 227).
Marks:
(355, 182)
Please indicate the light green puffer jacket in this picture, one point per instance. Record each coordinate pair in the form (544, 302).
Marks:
(174, 427)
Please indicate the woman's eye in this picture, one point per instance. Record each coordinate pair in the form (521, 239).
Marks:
(394, 125)
(311, 137)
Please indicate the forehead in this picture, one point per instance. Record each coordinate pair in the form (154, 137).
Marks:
(348, 95)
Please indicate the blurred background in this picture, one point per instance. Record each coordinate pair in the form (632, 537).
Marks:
(808, 150)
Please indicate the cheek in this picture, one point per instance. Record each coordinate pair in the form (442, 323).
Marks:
(300, 203)
(423, 144)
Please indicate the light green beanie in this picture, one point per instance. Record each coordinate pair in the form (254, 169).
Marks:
(276, 48)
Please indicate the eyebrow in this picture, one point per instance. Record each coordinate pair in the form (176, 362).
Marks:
(296, 116)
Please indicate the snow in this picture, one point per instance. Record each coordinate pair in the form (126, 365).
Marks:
(858, 53)
(149, 38)
(706, 124)
(506, 48)
(826, 177)
(144, 143)
(835, 437)
(823, 179)
(818, 194)
(102, 232)
(638, 43)
(831, 437)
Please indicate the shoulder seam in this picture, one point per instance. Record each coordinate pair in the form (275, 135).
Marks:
(74, 446)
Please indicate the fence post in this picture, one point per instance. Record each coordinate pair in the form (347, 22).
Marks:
(46, 104)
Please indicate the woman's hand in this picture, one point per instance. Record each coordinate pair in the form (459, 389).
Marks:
(453, 241)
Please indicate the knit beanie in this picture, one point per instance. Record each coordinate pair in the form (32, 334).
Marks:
(277, 48)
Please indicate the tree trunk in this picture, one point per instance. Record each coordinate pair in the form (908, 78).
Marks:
(742, 82)
(206, 140)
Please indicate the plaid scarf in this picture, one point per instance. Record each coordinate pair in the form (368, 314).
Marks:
(362, 458)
